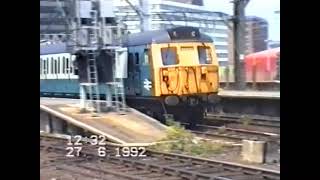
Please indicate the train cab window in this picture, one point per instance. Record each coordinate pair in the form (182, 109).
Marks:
(146, 57)
(169, 56)
(204, 55)
(137, 58)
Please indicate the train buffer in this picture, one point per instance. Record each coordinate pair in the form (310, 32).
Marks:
(133, 127)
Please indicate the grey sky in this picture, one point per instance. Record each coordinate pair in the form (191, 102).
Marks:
(260, 8)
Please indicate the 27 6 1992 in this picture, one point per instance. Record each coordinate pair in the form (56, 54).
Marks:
(124, 151)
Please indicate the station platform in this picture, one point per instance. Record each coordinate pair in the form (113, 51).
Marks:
(133, 127)
(250, 94)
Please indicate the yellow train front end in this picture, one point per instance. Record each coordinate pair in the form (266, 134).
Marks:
(184, 69)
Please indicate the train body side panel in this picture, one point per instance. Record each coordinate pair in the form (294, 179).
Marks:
(64, 86)
(59, 86)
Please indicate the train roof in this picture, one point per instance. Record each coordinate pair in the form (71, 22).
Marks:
(55, 48)
(270, 53)
(179, 34)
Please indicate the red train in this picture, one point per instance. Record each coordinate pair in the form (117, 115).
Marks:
(263, 66)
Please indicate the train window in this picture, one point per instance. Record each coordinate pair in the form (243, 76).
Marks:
(52, 65)
(146, 57)
(63, 65)
(71, 65)
(55, 66)
(40, 66)
(58, 65)
(67, 66)
(114, 32)
(130, 63)
(169, 56)
(45, 66)
(137, 58)
(130, 58)
(47, 70)
(204, 55)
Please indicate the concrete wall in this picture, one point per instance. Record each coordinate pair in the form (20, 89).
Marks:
(52, 124)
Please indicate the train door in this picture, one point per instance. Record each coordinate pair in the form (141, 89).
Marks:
(129, 82)
(137, 73)
(138, 81)
(146, 82)
(142, 71)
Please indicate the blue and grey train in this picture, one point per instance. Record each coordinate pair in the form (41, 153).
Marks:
(172, 71)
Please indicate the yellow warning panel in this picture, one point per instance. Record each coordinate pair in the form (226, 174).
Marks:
(131, 127)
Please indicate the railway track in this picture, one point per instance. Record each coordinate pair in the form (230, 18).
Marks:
(235, 134)
(271, 122)
(156, 165)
